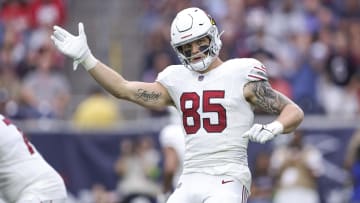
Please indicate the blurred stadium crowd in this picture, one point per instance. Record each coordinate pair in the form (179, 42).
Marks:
(32, 83)
(311, 49)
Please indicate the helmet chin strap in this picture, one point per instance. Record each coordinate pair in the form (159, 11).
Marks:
(199, 66)
(203, 64)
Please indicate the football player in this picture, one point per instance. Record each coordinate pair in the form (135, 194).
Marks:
(25, 176)
(172, 143)
(215, 98)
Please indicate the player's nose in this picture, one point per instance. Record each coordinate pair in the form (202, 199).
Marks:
(195, 48)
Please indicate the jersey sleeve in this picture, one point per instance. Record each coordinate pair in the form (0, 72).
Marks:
(164, 76)
(256, 71)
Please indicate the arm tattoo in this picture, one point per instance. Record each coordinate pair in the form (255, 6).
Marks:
(146, 96)
(266, 98)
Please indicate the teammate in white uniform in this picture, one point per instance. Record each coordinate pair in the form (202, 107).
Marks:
(214, 98)
(25, 177)
(173, 147)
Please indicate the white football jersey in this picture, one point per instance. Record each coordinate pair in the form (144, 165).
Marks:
(172, 135)
(215, 115)
(24, 174)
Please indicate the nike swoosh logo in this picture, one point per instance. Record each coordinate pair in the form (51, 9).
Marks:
(226, 181)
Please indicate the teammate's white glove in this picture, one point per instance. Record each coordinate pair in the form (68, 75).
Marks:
(75, 47)
(262, 133)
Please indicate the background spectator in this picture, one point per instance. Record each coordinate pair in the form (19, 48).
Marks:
(136, 167)
(296, 168)
(45, 92)
(262, 187)
(97, 111)
(352, 163)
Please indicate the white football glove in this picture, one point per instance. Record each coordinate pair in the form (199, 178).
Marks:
(75, 47)
(262, 133)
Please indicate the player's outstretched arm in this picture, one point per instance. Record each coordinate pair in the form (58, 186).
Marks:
(151, 95)
(262, 96)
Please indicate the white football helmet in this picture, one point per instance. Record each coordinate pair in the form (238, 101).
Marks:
(192, 24)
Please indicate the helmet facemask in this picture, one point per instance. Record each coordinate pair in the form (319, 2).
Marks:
(186, 56)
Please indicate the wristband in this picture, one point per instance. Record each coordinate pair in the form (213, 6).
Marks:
(89, 62)
(275, 127)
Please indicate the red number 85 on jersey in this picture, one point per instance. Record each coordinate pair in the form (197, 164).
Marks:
(207, 106)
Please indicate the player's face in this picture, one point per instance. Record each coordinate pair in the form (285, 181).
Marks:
(196, 50)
